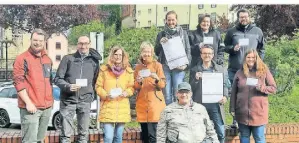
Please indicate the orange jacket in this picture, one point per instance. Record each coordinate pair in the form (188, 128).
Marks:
(118, 109)
(150, 100)
(33, 73)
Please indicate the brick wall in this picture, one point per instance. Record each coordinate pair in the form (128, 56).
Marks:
(275, 133)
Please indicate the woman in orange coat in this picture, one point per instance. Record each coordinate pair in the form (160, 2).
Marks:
(150, 81)
(114, 85)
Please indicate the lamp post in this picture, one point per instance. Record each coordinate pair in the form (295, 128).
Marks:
(6, 43)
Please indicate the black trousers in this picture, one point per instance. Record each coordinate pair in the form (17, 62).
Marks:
(148, 132)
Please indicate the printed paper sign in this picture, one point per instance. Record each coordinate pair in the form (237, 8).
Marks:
(81, 82)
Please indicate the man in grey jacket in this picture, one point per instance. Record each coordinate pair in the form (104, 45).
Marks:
(239, 39)
(185, 121)
(76, 76)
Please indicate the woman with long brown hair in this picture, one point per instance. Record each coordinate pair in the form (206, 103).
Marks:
(114, 85)
(249, 97)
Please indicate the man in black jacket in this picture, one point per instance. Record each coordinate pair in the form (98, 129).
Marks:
(76, 76)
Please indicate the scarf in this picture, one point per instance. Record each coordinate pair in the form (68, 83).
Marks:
(117, 71)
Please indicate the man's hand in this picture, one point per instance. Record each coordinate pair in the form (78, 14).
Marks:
(237, 47)
(124, 94)
(74, 87)
(163, 40)
(31, 108)
(223, 100)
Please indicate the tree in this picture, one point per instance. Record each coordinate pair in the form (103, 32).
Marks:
(114, 16)
(274, 20)
(51, 18)
(85, 29)
(131, 40)
(223, 23)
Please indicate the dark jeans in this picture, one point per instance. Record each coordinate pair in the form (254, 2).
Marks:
(215, 115)
(68, 111)
(257, 132)
(148, 132)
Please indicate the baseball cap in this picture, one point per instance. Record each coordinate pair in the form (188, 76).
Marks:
(184, 86)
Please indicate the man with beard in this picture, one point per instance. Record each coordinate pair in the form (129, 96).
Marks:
(32, 79)
(239, 39)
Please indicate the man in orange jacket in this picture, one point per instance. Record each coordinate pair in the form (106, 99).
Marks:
(32, 79)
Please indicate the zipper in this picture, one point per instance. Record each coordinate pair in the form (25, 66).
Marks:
(81, 71)
(117, 103)
(40, 59)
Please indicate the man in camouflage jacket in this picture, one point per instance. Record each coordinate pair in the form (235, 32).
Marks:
(185, 121)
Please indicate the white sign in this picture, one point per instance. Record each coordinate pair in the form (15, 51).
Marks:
(244, 42)
(175, 54)
(115, 92)
(251, 81)
(208, 40)
(81, 82)
(144, 73)
(212, 87)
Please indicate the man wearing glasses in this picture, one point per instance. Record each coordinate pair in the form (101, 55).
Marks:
(76, 76)
(239, 39)
(215, 110)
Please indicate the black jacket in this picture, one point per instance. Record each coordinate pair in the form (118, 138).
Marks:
(196, 37)
(72, 67)
(256, 41)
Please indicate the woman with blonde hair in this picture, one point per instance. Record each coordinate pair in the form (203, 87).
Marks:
(249, 97)
(150, 81)
(114, 85)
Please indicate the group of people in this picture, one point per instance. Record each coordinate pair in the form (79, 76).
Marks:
(168, 109)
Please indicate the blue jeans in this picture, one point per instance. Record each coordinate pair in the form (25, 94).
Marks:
(257, 132)
(231, 75)
(113, 132)
(215, 116)
(173, 79)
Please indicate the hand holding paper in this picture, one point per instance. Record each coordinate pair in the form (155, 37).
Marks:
(115, 92)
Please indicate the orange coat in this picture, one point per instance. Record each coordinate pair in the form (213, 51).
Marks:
(118, 109)
(150, 100)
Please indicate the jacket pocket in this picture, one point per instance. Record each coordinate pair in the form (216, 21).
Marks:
(47, 70)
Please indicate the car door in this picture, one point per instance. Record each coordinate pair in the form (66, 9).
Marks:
(14, 109)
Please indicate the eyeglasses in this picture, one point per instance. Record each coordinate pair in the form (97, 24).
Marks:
(81, 44)
(209, 54)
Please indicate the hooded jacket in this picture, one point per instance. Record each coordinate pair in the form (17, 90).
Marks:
(73, 67)
(256, 41)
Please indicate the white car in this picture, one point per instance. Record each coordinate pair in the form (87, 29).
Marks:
(10, 112)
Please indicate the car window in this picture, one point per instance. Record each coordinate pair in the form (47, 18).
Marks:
(4, 93)
(13, 93)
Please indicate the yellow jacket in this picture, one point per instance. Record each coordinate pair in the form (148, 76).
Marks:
(118, 109)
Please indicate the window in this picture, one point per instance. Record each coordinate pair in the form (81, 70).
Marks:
(200, 6)
(213, 5)
(58, 58)
(185, 26)
(213, 16)
(58, 45)
(13, 93)
(149, 11)
(165, 9)
(139, 12)
(149, 23)
(4, 93)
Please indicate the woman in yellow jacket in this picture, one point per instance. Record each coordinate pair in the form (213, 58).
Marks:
(114, 85)
(150, 101)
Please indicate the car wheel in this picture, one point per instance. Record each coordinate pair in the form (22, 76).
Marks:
(4, 119)
(57, 121)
